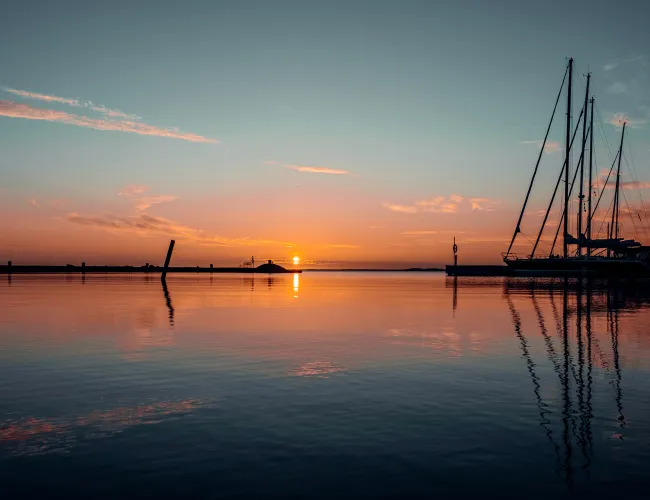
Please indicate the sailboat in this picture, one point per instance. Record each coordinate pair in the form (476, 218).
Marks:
(613, 256)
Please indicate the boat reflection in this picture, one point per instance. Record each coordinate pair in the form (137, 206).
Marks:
(571, 354)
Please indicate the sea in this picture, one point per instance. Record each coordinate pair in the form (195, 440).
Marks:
(323, 385)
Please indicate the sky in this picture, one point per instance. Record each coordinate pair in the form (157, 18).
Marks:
(349, 133)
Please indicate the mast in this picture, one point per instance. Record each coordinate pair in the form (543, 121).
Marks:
(539, 159)
(581, 196)
(591, 172)
(613, 229)
(566, 170)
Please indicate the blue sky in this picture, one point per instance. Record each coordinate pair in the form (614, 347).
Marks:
(417, 99)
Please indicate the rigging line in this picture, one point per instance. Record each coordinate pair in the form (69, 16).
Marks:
(602, 129)
(570, 193)
(539, 159)
(611, 169)
(636, 179)
(557, 185)
(602, 222)
(638, 190)
(629, 210)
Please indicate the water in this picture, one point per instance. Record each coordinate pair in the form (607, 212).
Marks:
(320, 385)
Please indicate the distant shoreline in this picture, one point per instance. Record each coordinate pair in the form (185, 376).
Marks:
(410, 270)
(40, 269)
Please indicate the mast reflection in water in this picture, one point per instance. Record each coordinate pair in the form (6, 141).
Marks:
(574, 366)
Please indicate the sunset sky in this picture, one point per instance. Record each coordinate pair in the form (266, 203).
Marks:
(349, 133)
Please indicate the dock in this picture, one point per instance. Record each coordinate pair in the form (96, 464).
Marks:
(5, 269)
(267, 268)
(455, 270)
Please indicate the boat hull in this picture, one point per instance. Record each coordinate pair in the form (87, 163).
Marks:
(604, 267)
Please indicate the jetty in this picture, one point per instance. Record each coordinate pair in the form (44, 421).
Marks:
(268, 267)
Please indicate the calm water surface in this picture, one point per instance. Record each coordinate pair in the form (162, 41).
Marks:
(323, 385)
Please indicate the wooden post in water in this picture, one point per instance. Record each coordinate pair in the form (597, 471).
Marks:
(9, 267)
(168, 258)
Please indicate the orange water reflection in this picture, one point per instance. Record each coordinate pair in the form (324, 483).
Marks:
(346, 319)
(35, 436)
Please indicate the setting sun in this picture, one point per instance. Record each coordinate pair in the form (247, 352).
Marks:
(296, 261)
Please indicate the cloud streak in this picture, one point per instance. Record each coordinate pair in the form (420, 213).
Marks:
(549, 147)
(401, 208)
(16, 110)
(310, 168)
(148, 225)
(113, 113)
(133, 192)
(616, 64)
(317, 170)
(445, 204)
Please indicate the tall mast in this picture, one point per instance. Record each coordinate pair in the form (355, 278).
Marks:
(566, 170)
(539, 159)
(581, 196)
(591, 172)
(613, 229)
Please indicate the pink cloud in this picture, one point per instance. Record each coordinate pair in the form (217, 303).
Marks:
(619, 119)
(34, 203)
(42, 97)
(317, 170)
(15, 110)
(132, 189)
(146, 201)
(113, 113)
(401, 208)
(549, 147)
(147, 225)
(480, 204)
(445, 204)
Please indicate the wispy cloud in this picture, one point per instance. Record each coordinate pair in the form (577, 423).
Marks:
(615, 64)
(419, 233)
(34, 203)
(317, 170)
(401, 208)
(602, 177)
(141, 203)
(146, 201)
(132, 189)
(619, 119)
(342, 245)
(549, 147)
(310, 168)
(617, 88)
(480, 204)
(147, 225)
(113, 113)
(113, 120)
(445, 204)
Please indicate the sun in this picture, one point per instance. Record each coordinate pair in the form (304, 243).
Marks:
(296, 260)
